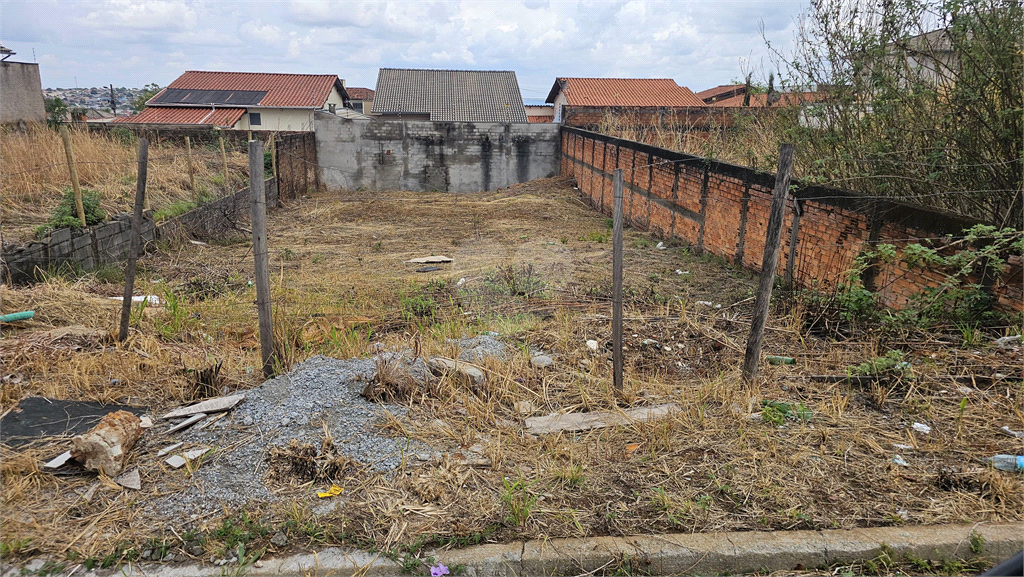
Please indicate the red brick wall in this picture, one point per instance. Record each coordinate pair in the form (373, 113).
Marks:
(723, 209)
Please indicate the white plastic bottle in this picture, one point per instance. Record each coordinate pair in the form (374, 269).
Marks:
(1007, 462)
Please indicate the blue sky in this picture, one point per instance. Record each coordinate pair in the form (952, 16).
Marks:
(131, 43)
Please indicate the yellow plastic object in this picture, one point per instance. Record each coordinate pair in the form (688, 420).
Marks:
(332, 492)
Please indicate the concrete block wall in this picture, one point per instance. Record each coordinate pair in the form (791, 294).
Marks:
(723, 209)
(432, 156)
(109, 242)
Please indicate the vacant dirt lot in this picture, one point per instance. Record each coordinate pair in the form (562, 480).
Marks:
(532, 264)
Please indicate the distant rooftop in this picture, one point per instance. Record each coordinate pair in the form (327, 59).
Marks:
(623, 92)
(242, 89)
(450, 95)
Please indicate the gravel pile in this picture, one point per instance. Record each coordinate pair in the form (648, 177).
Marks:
(320, 391)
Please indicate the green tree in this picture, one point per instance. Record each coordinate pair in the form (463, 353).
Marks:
(56, 111)
(922, 101)
(148, 91)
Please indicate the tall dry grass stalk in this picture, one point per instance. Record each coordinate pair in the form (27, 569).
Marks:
(747, 139)
(35, 174)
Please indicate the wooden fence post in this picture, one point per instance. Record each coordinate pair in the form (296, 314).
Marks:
(133, 250)
(771, 258)
(74, 173)
(259, 251)
(191, 169)
(224, 157)
(617, 281)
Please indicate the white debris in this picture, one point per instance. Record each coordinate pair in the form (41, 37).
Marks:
(921, 428)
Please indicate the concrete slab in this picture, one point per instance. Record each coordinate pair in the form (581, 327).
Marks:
(697, 554)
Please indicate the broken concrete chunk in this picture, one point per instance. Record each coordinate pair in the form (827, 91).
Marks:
(542, 361)
(103, 448)
(187, 422)
(130, 480)
(442, 365)
(178, 461)
(145, 422)
(168, 449)
(524, 407)
(208, 406)
(596, 419)
(58, 461)
(428, 259)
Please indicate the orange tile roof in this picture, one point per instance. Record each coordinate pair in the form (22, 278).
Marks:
(283, 90)
(360, 93)
(624, 92)
(539, 119)
(721, 92)
(226, 117)
(761, 100)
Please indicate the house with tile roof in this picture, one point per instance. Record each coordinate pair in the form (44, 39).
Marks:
(242, 101)
(734, 95)
(619, 95)
(448, 95)
(360, 99)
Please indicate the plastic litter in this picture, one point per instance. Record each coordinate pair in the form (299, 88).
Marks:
(921, 428)
(777, 360)
(334, 491)
(900, 461)
(1012, 433)
(1011, 463)
(22, 316)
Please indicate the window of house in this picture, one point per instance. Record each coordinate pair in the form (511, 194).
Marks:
(254, 119)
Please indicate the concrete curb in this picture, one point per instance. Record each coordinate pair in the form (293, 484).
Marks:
(697, 554)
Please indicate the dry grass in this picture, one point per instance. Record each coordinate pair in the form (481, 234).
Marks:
(36, 174)
(341, 288)
(751, 140)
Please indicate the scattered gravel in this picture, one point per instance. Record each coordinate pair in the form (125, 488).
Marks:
(478, 348)
(320, 391)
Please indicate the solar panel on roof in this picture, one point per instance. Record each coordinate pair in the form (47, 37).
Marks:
(223, 97)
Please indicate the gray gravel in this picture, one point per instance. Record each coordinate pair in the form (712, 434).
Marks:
(318, 391)
(477, 348)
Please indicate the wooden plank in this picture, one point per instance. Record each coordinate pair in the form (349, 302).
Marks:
(259, 251)
(208, 406)
(187, 423)
(771, 260)
(136, 239)
(596, 419)
(429, 259)
(617, 282)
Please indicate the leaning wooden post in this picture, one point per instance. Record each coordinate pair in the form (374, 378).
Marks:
(273, 156)
(224, 157)
(617, 281)
(191, 169)
(133, 250)
(771, 257)
(259, 251)
(74, 173)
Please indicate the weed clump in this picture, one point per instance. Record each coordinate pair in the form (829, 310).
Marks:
(65, 215)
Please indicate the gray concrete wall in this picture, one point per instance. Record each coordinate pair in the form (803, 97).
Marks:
(110, 241)
(426, 156)
(21, 93)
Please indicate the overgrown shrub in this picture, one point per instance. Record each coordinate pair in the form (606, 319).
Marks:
(65, 215)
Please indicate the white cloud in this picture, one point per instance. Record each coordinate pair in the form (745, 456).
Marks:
(266, 33)
(698, 43)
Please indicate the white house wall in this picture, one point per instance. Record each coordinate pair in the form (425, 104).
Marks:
(278, 119)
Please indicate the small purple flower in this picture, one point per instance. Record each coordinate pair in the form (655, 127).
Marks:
(439, 570)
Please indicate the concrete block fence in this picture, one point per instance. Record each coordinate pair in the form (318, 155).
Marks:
(723, 209)
(109, 242)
